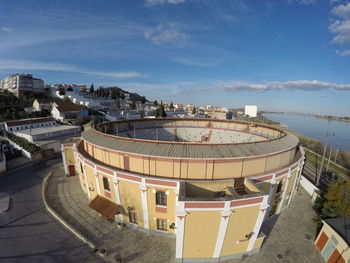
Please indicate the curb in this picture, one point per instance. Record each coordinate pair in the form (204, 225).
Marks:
(59, 218)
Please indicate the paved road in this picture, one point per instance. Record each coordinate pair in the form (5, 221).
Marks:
(27, 232)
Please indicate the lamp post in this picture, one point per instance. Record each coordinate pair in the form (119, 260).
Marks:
(336, 155)
(329, 158)
(324, 153)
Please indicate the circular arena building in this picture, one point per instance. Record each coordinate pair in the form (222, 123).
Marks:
(209, 183)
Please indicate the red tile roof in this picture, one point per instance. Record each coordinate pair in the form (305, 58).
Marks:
(66, 106)
(104, 206)
(29, 121)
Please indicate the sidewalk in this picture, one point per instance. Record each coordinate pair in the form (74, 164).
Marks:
(68, 200)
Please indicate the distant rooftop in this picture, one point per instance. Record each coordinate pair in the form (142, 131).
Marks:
(29, 121)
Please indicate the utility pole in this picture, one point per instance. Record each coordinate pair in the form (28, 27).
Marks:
(336, 155)
(329, 157)
(324, 153)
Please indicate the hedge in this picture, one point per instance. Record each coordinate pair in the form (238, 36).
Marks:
(25, 144)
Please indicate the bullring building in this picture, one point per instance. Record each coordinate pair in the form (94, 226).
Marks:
(209, 183)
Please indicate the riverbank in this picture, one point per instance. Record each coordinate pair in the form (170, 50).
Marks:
(333, 118)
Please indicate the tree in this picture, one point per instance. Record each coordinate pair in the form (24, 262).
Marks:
(132, 105)
(117, 102)
(336, 202)
(155, 103)
(143, 99)
(92, 89)
(171, 106)
(338, 198)
(142, 114)
(61, 91)
(194, 111)
(160, 112)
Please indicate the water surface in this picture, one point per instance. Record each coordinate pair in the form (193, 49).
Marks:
(316, 128)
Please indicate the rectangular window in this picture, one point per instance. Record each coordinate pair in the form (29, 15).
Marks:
(81, 169)
(162, 224)
(161, 198)
(334, 240)
(328, 250)
(106, 184)
(132, 217)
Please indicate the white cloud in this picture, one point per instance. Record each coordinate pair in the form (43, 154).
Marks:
(341, 29)
(159, 2)
(306, 2)
(306, 85)
(208, 62)
(119, 75)
(343, 53)
(166, 34)
(6, 29)
(20, 65)
(302, 2)
(342, 11)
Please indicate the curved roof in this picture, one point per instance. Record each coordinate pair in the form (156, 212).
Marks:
(190, 150)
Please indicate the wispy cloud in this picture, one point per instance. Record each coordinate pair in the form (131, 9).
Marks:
(6, 29)
(302, 2)
(208, 62)
(47, 66)
(159, 2)
(306, 2)
(168, 34)
(343, 53)
(306, 85)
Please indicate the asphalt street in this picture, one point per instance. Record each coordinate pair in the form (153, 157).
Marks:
(27, 232)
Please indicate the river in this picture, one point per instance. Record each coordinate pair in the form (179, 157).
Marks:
(316, 128)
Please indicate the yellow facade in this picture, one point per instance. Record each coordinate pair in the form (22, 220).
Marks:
(235, 240)
(212, 221)
(201, 228)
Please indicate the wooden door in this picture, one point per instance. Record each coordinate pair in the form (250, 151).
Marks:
(71, 170)
(322, 241)
(336, 257)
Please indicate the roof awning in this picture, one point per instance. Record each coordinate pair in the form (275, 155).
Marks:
(104, 206)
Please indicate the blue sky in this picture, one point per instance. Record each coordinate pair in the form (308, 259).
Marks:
(285, 55)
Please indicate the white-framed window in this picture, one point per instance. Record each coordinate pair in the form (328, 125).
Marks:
(106, 184)
(162, 224)
(161, 198)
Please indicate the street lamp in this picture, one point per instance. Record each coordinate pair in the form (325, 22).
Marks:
(324, 153)
(336, 154)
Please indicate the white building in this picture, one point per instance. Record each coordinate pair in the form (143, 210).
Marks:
(25, 124)
(22, 83)
(251, 110)
(50, 138)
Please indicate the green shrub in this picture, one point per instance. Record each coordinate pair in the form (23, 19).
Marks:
(25, 144)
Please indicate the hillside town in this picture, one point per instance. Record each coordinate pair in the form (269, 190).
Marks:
(45, 115)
